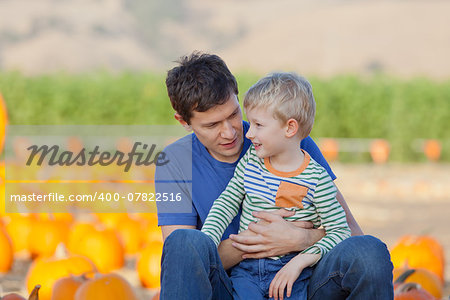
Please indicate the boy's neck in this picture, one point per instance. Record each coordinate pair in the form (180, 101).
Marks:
(290, 159)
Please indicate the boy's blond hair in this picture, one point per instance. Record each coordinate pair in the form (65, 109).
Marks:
(289, 95)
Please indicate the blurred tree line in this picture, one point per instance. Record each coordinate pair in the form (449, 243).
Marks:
(380, 106)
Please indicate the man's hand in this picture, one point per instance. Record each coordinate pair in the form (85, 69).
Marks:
(273, 235)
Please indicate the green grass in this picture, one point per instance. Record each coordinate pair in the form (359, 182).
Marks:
(347, 106)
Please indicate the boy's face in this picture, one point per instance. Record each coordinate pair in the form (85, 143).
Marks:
(220, 130)
(267, 134)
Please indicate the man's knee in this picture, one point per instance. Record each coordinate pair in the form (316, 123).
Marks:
(181, 236)
(368, 252)
(185, 239)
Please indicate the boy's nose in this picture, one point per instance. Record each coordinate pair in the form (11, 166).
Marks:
(249, 134)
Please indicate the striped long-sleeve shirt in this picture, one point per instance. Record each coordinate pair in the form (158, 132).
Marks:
(257, 186)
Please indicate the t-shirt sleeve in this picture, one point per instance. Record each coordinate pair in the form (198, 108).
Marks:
(310, 146)
(175, 179)
(331, 214)
(227, 206)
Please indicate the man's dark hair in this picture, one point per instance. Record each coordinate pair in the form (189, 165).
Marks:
(200, 82)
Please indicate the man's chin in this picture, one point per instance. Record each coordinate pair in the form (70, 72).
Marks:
(232, 152)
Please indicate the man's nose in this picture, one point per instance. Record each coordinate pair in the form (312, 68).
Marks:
(227, 131)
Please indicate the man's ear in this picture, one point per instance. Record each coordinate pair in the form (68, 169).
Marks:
(291, 128)
(183, 123)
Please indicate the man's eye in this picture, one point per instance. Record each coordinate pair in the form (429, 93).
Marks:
(211, 125)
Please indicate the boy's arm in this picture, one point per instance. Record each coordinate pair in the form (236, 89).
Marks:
(310, 146)
(332, 216)
(289, 273)
(280, 238)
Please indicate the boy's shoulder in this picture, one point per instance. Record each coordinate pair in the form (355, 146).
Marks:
(318, 168)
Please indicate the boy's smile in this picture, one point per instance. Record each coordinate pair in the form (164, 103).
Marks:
(266, 133)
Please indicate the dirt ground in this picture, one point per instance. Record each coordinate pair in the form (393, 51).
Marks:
(393, 200)
(388, 201)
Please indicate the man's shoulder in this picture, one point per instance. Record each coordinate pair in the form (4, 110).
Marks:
(181, 145)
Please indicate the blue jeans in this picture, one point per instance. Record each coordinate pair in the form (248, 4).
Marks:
(357, 268)
(252, 277)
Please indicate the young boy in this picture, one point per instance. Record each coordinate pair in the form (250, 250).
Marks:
(275, 173)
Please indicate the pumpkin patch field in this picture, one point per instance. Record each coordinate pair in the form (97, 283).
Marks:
(402, 198)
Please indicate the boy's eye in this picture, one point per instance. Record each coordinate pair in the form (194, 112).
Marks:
(211, 125)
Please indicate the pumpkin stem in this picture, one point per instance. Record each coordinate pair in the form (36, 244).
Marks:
(35, 293)
(404, 276)
(60, 251)
(407, 287)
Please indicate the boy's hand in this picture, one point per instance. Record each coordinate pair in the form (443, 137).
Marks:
(284, 278)
(288, 274)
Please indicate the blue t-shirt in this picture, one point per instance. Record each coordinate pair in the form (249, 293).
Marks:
(201, 182)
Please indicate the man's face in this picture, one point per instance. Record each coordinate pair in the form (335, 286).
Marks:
(219, 129)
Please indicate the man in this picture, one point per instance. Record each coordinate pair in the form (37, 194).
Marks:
(203, 93)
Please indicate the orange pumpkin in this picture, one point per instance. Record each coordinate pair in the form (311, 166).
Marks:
(13, 296)
(379, 151)
(46, 270)
(152, 234)
(426, 279)
(104, 248)
(432, 149)
(411, 291)
(2, 190)
(130, 232)
(151, 230)
(106, 287)
(66, 287)
(111, 220)
(45, 236)
(419, 252)
(19, 228)
(6, 251)
(329, 148)
(149, 265)
(77, 232)
(63, 217)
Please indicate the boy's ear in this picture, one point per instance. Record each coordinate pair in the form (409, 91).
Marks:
(291, 128)
(183, 123)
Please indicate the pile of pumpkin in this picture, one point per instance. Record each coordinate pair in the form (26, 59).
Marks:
(75, 259)
(418, 268)
(76, 256)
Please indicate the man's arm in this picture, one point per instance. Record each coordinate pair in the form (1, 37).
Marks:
(354, 227)
(229, 255)
(275, 236)
(232, 254)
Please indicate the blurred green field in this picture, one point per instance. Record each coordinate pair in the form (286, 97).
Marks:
(380, 106)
